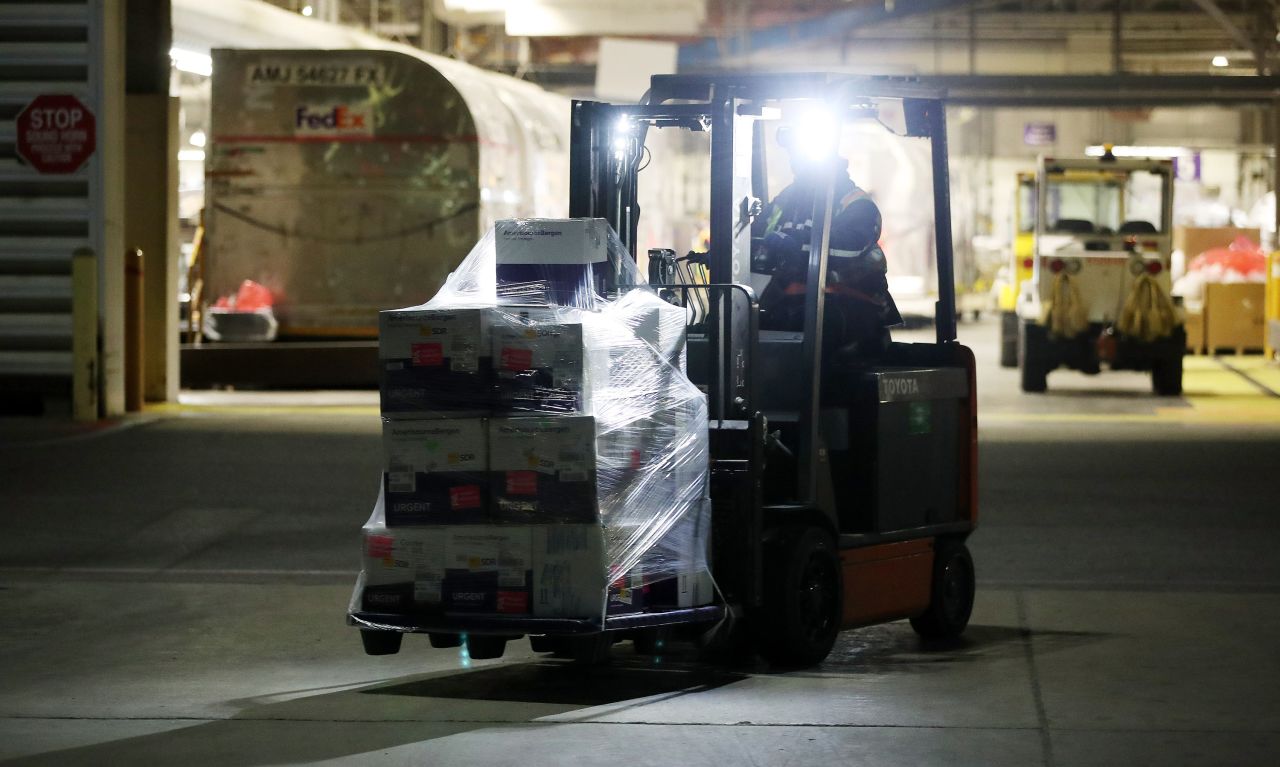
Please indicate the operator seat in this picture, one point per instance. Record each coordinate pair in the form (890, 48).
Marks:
(1138, 227)
(1073, 226)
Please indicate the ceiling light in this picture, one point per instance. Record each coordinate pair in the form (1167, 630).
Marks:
(1220, 61)
(1155, 152)
(198, 139)
(307, 10)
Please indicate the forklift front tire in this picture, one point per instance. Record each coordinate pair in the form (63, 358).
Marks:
(380, 642)
(951, 595)
(803, 598)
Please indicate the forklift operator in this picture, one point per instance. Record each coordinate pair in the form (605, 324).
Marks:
(859, 309)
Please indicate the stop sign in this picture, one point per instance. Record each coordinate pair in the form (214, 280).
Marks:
(56, 133)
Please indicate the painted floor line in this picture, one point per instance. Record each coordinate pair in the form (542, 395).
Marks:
(1255, 382)
(180, 409)
(185, 571)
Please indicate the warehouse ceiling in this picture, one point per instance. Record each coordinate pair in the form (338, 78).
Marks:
(1135, 36)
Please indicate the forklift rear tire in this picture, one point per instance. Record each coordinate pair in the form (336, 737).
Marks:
(951, 600)
(1166, 377)
(803, 598)
(380, 642)
(485, 647)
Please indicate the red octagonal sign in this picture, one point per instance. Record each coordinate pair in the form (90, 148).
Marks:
(56, 133)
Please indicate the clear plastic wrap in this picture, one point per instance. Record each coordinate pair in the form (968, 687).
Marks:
(595, 441)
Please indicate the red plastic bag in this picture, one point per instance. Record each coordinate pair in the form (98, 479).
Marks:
(253, 296)
(1242, 257)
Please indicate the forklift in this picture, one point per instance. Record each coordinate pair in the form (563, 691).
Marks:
(842, 488)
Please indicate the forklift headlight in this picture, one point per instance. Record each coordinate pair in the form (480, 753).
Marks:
(815, 134)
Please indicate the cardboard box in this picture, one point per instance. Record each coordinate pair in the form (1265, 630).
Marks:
(655, 321)
(1233, 316)
(434, 361)
(436, 471)
(403, 568)
(1194, 325)
(1194, 240)
(543, 469)
(488, 569)
(547, 571)
(569, 571)
(550, 260)
(551, 241)
(541, 364)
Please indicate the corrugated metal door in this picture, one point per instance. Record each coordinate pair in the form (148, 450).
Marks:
(48, 48)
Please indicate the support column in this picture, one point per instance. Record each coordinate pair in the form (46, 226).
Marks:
(1275, 172)
(151, 189)
(107, 67)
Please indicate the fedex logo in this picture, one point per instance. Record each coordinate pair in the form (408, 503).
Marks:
(330, 120)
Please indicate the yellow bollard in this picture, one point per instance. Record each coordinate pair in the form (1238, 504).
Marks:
(1271, 304)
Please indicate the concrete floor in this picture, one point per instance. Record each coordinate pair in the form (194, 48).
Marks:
(172, 591)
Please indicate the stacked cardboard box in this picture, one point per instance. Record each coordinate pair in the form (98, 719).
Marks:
(434, 362)
(497, 469)
(551, 261)
(547, 571)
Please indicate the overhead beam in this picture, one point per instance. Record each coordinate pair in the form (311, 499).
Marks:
(1086, 91)
(711, 53)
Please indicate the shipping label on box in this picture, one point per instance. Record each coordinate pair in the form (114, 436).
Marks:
(488, 569)
(568, 571)
(436, 471)
(551, 241)
(543, 469)
(627, 592)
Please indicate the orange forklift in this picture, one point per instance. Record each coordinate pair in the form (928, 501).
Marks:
(843, 486)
